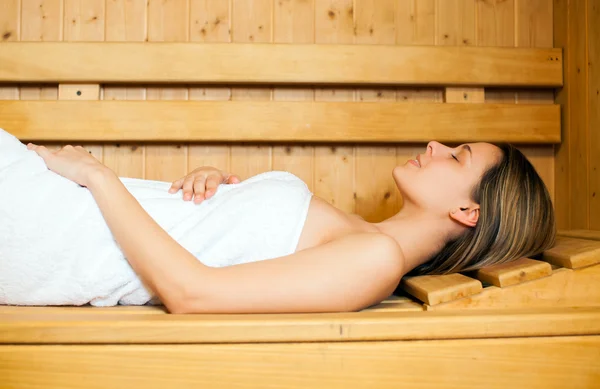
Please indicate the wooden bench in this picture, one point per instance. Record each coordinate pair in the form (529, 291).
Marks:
(502, 322)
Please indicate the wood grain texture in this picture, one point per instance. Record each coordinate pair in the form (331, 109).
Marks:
(514, 272)
(210, 21)
(435, 290)
(257, 121)
(125, 21)
(583, 234)
(294, 23)
(593, 22)
(573, 253)
(564, 288)
(267, 328)
(557, 362)
(277, 63)
(9, 32)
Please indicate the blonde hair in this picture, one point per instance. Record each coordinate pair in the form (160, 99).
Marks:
(516, 219)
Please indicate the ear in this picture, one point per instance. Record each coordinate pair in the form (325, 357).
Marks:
(467, 216)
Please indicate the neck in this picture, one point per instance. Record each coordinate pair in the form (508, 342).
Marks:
(419, 234)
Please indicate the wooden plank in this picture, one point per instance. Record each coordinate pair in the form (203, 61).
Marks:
(376, 194)
(583, 234)
(593, 25)
(9, 32)
(278, 63)
(440, 289)
(564, 288)
(578, 81)
(532, 363)
(514, 272)
(210, 21)
(325, 327)
(562, 199)
(168, 21)
(294, 23)
(251, 24)
(573, 253)
(260, 121)
(125, 21)
(335, 164)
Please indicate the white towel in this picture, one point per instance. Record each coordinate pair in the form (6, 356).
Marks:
(56, 249)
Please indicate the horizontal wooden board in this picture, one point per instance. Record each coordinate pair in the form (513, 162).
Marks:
(564, 288)
(532, 363)
(325, 327)
(583, 234)
(573, 253)
(515, 272)
(265, 121)
(441, 288)
(121, 62)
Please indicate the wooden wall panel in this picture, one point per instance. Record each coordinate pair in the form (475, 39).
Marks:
(9, 31)
(210, 21)
(125, 22)
(376, 192)
(294, 23)
(353, 178)
(335, 164)
(84, 20)
(168, 21)
(251, 22)
(41, 20)
(594, 113)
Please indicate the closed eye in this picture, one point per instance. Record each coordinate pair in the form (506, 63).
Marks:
(454, 156)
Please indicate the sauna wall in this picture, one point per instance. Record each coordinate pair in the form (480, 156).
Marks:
(354, 178)
(577, 31)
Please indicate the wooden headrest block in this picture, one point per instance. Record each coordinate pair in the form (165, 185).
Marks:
(440, 289)
(573, 253)
(514, 272)
(583, 234)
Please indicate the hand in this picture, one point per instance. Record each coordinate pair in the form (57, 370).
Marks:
(202, 182)
(74, 163)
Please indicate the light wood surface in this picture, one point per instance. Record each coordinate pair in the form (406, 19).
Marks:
(564, 288)
(278, 121)
(573, 253)
(583, 234)
(439, 289)
(278, 63)
(515, 272)
(351, 326)
(532, 363)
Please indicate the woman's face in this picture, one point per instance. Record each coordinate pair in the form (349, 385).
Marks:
(442, 178)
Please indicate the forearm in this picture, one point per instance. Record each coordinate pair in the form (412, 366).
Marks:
(163, 264)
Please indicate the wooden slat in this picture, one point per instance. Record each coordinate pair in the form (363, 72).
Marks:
(278, 63)
(532, 363)
(440, 289)
(583, 234)
(279, 121)
(564, 288)
(573, 253)
(515, 272)
(350, 326)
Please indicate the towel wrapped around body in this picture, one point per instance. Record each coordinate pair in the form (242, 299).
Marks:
(56, 248)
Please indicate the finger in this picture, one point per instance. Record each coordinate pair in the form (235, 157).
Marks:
(212, 184)
(199, 188)
(176, 185)
(42, 151)
(233, 179)
(188, 187)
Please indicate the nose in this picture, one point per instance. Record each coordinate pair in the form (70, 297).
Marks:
(432, 147)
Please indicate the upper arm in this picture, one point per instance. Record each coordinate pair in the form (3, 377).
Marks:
(347, 274)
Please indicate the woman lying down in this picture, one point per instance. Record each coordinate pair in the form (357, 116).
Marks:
(72, 232)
